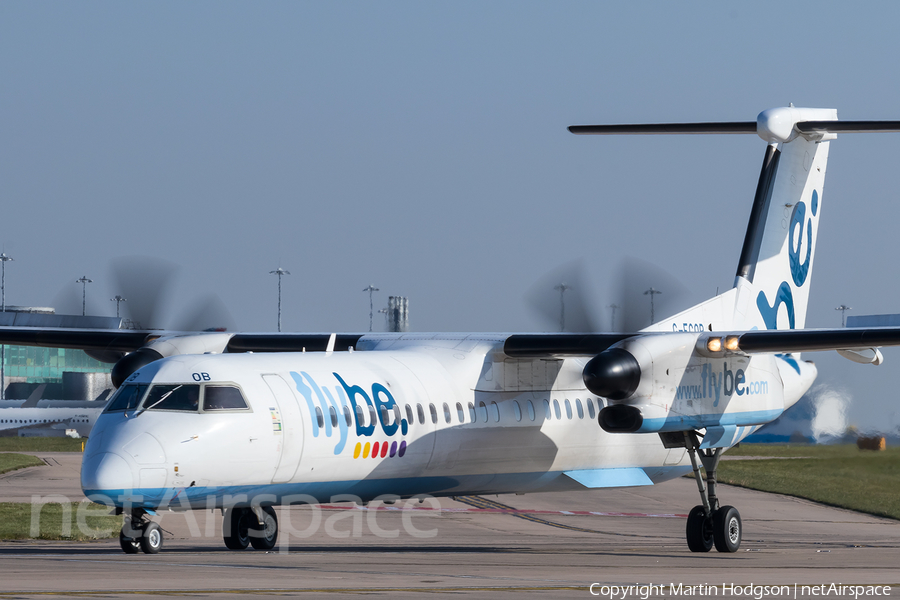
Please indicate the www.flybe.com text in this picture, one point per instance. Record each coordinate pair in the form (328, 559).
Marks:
(723, 383)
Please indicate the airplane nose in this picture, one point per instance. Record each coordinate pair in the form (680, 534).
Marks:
(106, 471)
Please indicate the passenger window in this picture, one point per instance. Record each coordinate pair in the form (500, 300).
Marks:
(446, 412)
(421, 413)
(320, 418)
(385, 418)
(568, 409)
(127, 397)
(496, 411)
(590, 404)
(517, 410)
(547, 414)
(460, 413)
(348, 416)
(530, 410)
(472, 412)
(397, 415)
(483, 410)
(556, 409)
(579, 408)
(333, 414)
(433, 413)
(409, 415)
(360, 417)
(220, 397)
(183, 396)
(373, 418)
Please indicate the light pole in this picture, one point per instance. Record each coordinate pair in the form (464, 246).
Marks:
(562, 304)
(651, 292)
(279, 271)
(83, 281)
(118, 299)
(3, 260)
(843, 308)
(371, 289)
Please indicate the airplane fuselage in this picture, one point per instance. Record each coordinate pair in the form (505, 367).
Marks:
(441, 417)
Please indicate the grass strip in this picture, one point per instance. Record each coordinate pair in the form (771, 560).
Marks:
(40, 444)
(841, 476)
(795, 450)
(12, 462)
(75, 521)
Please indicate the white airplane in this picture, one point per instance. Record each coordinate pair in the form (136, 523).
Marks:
(244, 422)
(43, 416)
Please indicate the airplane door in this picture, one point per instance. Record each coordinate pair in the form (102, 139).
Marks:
(291, 428)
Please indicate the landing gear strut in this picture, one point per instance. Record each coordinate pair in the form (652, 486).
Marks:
(709, 524)
(140, 534)
(245, 526)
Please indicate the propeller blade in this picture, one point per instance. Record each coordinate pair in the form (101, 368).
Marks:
(208, 313)
(144, 283)
(69, 300)
(633, 305)
(559, 298)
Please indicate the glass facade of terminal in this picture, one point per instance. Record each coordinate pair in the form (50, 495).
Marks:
(46, 365)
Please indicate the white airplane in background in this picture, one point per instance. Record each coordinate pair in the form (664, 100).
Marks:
(43, 416)
(244, 422)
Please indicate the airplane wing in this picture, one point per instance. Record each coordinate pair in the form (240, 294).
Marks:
(746, 342)
(127, 340)
(811, 340)
(522, 345)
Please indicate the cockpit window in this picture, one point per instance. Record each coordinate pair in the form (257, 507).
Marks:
(173, 397)
(127, 397)
(223, 398)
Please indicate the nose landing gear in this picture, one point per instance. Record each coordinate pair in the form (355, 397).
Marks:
(140, 534)
(709, 524)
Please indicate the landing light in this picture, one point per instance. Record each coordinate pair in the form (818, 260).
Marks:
(714, 344)
(732, 343)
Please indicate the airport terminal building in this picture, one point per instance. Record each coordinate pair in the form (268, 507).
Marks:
(67, 374)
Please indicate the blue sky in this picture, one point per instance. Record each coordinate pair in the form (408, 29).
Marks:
(422, 147)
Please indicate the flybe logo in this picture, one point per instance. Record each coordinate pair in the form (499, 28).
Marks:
(333, 412)
(715, 385)
(798, 264)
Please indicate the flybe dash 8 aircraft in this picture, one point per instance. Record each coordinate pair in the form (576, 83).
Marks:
(244, 422)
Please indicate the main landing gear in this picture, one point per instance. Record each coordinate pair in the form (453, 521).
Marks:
(709, 524)
(245, 526)
(139, 534)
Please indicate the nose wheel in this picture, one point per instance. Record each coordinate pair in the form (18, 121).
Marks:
(140, 534)
(708, 524)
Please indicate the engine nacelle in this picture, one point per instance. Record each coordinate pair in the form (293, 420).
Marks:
(200, 343)
(661, 383)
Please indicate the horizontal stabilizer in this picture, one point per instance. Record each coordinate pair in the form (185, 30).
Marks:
(847, 126)
(666, 128)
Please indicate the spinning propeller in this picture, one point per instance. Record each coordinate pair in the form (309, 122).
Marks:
(565, 300)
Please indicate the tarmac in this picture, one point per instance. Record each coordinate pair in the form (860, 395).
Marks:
(548, 545)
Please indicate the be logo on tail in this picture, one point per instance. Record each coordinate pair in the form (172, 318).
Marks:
(800, 234)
